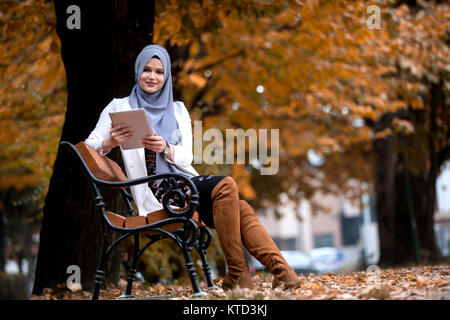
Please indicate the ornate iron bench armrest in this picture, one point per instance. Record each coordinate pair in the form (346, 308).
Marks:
(172, 193)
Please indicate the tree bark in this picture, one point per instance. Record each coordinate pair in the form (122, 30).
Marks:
(385, 160)
(406, 169)
(178, 56)
(99, 63)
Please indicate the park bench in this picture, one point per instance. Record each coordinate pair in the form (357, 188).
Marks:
(182, 225)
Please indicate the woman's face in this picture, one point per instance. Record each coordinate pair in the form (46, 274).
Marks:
(152, 77)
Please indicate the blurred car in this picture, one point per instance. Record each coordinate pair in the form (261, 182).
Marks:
(326, 259)
(299, 261)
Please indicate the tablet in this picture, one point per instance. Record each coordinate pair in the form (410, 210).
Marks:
(139, 124)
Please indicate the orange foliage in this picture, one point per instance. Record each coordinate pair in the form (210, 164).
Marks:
(32, 93)
(313, 69)
(322, 73)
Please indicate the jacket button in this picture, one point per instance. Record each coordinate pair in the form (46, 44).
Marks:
(132, 164)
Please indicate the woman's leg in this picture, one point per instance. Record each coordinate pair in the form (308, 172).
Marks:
(236, 223)
(260, 245)
(225, 198)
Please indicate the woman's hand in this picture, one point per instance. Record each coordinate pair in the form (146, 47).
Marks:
(154, 142)
(117, 136)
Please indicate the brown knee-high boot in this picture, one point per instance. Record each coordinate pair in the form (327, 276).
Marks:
(225, 199)
(260, 245)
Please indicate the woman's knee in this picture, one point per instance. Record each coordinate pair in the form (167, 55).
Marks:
(226, 186)
(230, 183)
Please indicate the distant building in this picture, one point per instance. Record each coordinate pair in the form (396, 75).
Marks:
(442, 213)
(344, 226)
(340, 225)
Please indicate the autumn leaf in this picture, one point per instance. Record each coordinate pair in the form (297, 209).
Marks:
(393, 284)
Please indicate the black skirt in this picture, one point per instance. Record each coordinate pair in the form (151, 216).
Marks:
(204, 185)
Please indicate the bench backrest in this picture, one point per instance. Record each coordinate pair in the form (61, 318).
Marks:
(100, 166)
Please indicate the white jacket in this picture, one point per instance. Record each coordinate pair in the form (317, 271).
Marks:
(134, 159)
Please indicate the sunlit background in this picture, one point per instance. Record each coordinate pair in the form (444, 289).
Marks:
(339, 87)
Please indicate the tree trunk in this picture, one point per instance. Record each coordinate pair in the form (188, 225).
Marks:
(406, 169)
(178, 56)
(99, 63)
(385, 160)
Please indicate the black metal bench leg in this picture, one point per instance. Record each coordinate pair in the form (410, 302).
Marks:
(206, 268)
(201, 248)
(132, 269)
(100, 274)
(131, 275)
(191, 272)
(98, 281)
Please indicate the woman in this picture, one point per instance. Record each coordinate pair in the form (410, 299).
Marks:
(170, 150)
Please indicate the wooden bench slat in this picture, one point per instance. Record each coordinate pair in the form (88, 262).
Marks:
(137, 221)
(116, 219)
(101, 167)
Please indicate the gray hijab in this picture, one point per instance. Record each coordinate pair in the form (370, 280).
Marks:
(159, 105)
